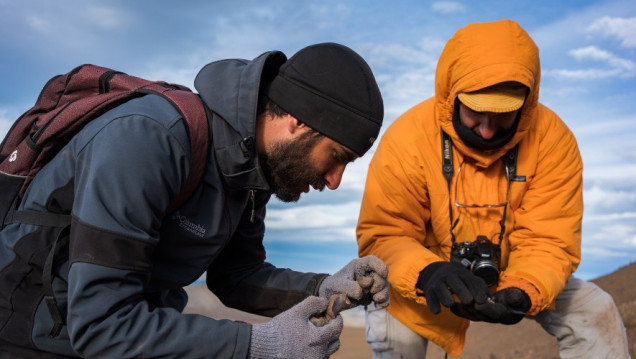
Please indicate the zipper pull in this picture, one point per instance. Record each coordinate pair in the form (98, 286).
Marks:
(253, 205)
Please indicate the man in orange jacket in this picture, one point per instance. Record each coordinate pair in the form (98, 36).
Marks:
(474, 201)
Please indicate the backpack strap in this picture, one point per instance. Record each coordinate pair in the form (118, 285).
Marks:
(65, 105)
(46, 219)
(194, 112)
(60, 243)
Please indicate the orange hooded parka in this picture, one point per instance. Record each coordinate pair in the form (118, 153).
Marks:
(404, 218)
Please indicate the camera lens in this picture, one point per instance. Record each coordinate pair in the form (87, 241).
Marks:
(487, 271)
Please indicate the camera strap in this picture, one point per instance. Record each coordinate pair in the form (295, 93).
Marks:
(448, 170)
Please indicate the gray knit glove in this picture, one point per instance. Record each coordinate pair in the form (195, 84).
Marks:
(363, 280)
(291, 334)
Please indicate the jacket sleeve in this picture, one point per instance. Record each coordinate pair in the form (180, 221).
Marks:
(126, 176)
(395, 209)
(241, 277)
(545, 244)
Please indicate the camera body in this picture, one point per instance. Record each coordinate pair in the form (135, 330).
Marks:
(481, 257)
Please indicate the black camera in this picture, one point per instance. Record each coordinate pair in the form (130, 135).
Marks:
(481, 257)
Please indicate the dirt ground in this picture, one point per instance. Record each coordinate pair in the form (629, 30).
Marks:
(525, 340)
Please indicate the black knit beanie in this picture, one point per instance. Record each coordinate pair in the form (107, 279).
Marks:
(331, 88)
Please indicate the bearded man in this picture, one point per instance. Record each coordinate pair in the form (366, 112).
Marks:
(277, 126)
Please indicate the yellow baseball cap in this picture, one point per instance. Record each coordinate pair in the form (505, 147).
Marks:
(499, 98)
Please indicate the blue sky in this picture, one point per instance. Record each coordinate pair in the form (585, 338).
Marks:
(588, 61)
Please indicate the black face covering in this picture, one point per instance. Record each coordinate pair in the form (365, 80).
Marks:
(472, 140)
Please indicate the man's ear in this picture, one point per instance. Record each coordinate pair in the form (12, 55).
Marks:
(293, 124)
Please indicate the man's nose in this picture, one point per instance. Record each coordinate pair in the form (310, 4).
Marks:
(334, 176)
(487, 128)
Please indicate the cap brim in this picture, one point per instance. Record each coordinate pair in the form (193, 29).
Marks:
(491, 100)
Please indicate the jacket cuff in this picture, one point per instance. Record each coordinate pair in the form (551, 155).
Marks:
(527, 287)
(313, 287)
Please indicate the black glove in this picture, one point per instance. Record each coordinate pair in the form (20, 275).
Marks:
(440, 280)
(508, 306)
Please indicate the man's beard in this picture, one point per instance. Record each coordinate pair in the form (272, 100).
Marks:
(288, 167)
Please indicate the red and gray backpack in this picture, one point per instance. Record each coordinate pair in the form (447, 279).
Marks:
(65, 105)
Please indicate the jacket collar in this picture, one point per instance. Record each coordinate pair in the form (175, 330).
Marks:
(230, 89)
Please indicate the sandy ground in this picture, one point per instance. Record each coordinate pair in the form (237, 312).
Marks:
(526, 340)
(353, 345)
(352, 340)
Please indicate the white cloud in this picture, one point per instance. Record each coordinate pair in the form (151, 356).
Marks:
(611, 217)
(313, 216)
(616, 66)
(597, 198)
(61, 31)
(591, 52)
(616, 238)
(563, 92)
(570, 29)
(106, 18)
(609, 127)
(404, 90)
(606, 253)
(356, 173)
(609, 239)
(424, 54)
(577, 30)
(45, 21)
(405, 73)
(448, 7)
(6, 121)
(183, 75)
(621, 170)
(609, 226)
(324, 223)
(39, 23)
(624, 29)
(594, 53)
(586, 74)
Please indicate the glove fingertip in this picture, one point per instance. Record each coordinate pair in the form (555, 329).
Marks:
(355, 292)
(314, 305)
(433, 301)
(481, 298)
(376, 262)
(381, 297)
(365, 281)
(335, 326)
(382, 304)
(513, 296)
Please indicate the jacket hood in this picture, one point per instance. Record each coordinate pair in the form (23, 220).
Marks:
(230, 89)
(481, 55)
